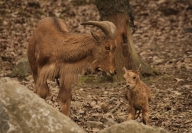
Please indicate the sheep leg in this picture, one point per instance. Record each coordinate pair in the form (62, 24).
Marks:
(42, 90)
(65, 97)
(131, 114)
(41, 85)
(34, 70)
(35, 81)
(66, 107)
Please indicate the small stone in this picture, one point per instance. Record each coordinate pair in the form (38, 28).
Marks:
(179, 80)
(188, 60)
(158, 61)
(105, 106)
(93, 103)
(56, 103)
(94, 124)
(108, 122)
(22, 68)
(81, 89)
(5, 23)
(81, 111)
(54, 98)
(105, 92)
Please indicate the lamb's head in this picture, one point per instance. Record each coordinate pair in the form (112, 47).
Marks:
(105, 46)
(131, 78)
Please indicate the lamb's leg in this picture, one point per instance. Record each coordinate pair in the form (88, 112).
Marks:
(145, 115)
(41, 85)
(65, 97)
(149, 94)
(137, 114)
(131, 113)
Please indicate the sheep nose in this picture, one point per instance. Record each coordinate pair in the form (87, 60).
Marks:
(127, 86)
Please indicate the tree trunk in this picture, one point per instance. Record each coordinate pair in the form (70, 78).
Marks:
(118, 12)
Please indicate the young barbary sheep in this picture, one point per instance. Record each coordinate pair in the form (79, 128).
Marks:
(138, 95)
(56, 53)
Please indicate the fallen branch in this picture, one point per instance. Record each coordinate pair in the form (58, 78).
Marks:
(188, 122)
(115, 108)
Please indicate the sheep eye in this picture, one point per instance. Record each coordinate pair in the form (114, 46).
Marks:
(107, 47)
(134, 77)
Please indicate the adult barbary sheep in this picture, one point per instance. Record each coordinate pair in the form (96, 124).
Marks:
(56, 53)
(138, 96)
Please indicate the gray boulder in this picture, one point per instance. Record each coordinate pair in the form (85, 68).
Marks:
(22, 68)
(22, 111)
(132, 127)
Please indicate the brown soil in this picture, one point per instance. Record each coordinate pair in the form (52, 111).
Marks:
(159, 40)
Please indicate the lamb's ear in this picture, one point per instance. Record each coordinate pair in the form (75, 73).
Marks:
(95, 36)
(125, 70)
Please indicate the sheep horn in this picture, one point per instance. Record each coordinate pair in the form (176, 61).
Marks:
(108, 28)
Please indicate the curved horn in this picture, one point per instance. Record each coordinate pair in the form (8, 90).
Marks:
(107, 27)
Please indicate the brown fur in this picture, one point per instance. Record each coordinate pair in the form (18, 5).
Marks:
(54, 52)
(138, 96)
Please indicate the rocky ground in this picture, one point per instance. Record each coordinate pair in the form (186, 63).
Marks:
(159, 40)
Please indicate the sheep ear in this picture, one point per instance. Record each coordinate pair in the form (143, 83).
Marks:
(125, 70)
(95, 36)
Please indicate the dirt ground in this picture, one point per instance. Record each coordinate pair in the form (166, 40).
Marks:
(158, 38)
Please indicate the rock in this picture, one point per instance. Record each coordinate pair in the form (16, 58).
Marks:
(188, 60)
(158, 61)
(161, 1)
(22, 111)
(132, 127)
(5, 23)
(94, 124)
(179, 80)
(21, 69)
(108, 122)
